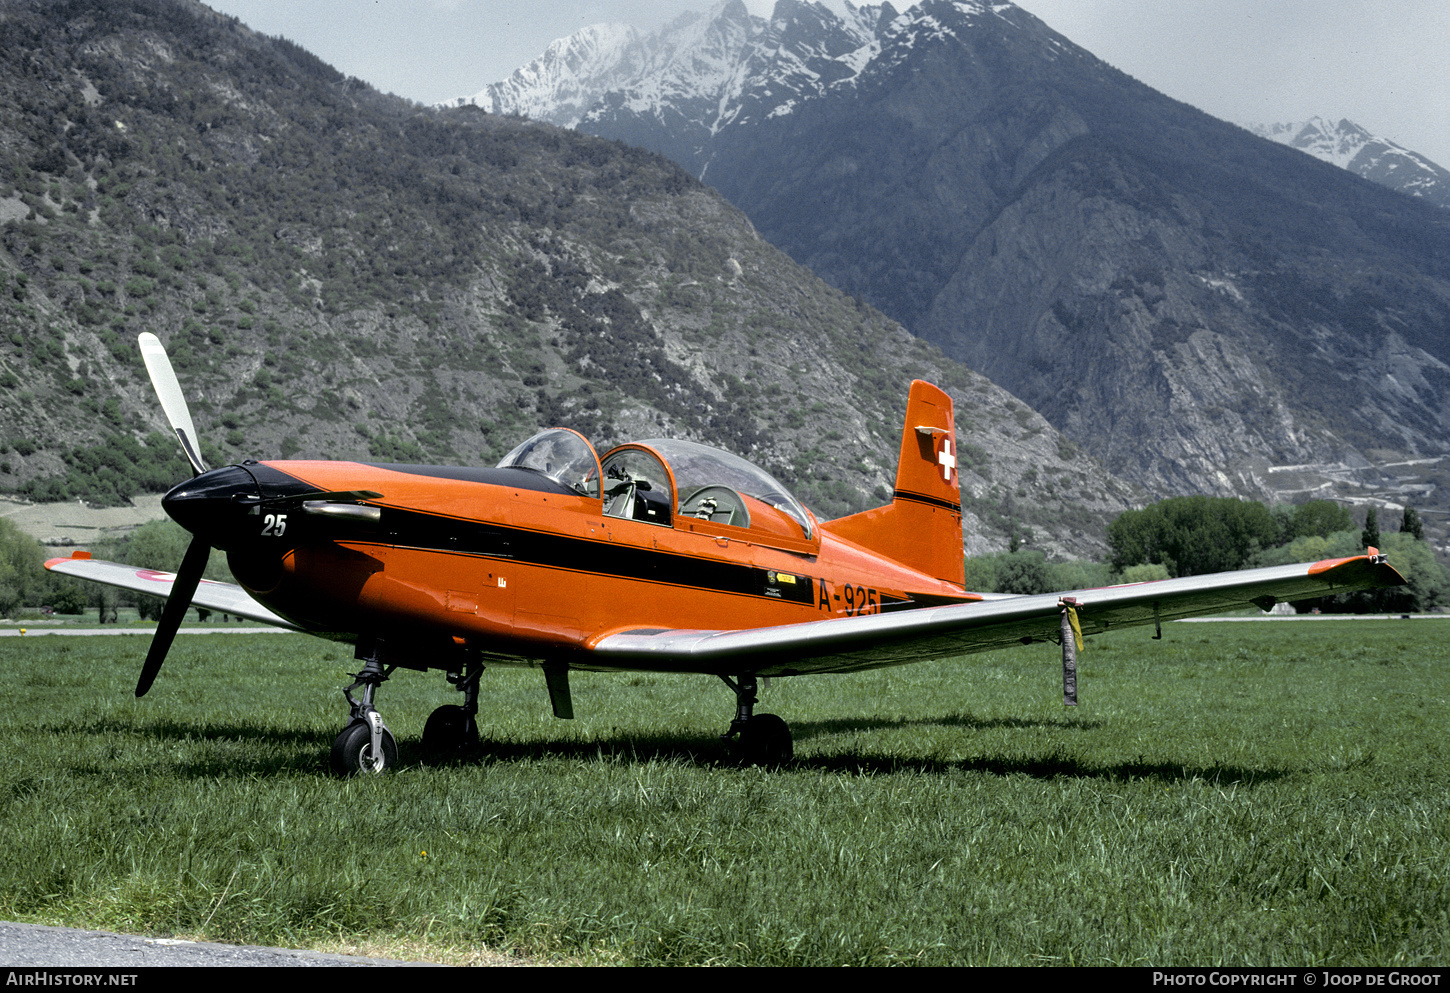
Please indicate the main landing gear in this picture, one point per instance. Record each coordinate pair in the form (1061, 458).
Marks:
(764, 738)
(452, 731)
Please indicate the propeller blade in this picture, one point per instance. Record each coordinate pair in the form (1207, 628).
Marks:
(182, 590)
(173, 401)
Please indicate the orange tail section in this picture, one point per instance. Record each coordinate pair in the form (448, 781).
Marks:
(922, 527)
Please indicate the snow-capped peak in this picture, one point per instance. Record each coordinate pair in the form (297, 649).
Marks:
(1350, 146)
(568, 78)
(705, 74)
(729, 65)
(1334, 143)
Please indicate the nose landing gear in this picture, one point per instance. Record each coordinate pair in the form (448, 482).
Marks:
(366, 744)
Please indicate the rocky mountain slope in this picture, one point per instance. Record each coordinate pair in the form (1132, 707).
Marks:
(1205, 310)
(339, 273)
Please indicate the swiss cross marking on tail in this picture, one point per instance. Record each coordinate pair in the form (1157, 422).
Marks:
(946, 458)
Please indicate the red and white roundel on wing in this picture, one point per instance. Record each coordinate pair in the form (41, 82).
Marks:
(946, 457)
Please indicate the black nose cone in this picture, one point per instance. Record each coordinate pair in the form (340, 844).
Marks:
(216, 505)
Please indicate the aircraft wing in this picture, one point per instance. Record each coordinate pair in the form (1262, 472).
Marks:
(850, 644)
(225, 598)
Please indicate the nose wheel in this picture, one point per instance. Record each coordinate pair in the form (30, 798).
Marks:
(761, 739)
(357, 750)
(366, 744)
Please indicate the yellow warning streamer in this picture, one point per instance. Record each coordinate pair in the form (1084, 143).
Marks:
(1076, 625)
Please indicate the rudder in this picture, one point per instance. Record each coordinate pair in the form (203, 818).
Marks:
(922, 526)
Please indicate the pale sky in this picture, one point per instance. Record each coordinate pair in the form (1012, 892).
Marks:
(1384, 64)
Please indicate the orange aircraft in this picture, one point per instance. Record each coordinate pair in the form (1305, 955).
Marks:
(662, 555)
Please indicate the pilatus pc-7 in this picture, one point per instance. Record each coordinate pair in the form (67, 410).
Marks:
(659, 555)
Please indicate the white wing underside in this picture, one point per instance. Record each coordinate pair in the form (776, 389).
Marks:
(849, 644)
(225, 598)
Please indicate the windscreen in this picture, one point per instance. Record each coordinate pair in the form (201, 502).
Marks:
(562, 455)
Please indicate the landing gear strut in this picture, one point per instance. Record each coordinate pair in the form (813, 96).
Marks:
(366, 744)
(764, 738)
(452, 731)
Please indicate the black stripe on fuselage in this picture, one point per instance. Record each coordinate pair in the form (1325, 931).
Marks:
(430, 532)
(278, 484)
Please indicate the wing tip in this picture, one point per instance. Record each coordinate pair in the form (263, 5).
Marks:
(1384, 573)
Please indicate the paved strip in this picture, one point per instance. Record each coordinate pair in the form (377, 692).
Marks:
(1315, 617)
(38, 946)
(144, 632)
(148, 632)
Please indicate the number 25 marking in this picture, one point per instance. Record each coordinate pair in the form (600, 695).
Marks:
(273, 525)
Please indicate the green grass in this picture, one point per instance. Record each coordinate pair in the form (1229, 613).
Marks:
(1233, 794)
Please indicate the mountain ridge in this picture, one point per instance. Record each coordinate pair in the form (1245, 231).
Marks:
(1193, 304)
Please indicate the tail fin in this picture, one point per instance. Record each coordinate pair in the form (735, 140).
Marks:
(922, 527)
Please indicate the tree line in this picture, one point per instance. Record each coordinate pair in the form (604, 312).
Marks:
(26, 586)
(1191, 536)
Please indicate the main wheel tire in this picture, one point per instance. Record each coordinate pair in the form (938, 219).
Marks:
(766, 741)
(352, 752)
(449, 734)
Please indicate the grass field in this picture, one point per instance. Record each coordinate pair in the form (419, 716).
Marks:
(1233, 794)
